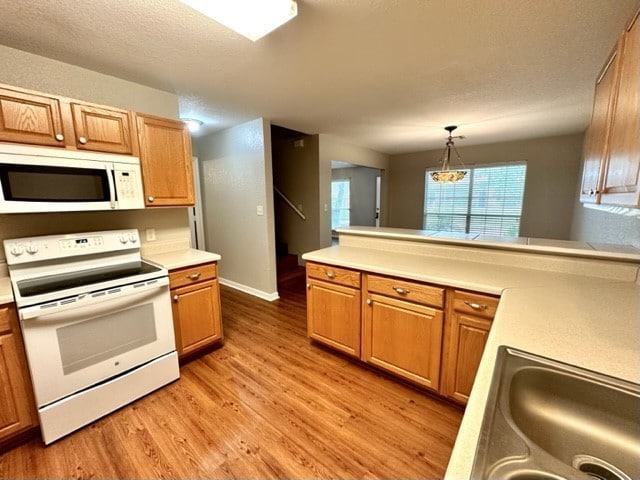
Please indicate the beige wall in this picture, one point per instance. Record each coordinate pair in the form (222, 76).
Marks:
(25, 70)
(553, 167)
(22, 69)
(333, 148)
(236, 177)
(295, 173)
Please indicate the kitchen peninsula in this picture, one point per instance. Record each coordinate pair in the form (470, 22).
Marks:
(576, 303)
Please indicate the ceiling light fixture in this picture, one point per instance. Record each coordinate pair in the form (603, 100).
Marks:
(193, 124)
(251, 18)
(445, 175)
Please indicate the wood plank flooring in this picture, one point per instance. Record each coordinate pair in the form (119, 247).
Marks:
(267, 404)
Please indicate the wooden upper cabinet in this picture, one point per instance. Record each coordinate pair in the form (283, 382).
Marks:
(102, 129)
(622, 176)
(165, 159)
(596, 139)
(30, 118)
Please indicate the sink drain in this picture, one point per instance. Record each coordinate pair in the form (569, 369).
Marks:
(598, 468)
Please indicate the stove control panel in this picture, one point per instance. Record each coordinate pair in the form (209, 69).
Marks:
(34, 249)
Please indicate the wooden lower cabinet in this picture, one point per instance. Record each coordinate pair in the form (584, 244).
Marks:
(17, 407)
(403, 338)
(427, 334)
(333, 315)
(197, 318)
(469, 318)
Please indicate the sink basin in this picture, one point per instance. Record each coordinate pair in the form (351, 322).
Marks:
(548, 420)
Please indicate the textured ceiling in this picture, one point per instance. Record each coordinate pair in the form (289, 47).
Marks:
(386, 74)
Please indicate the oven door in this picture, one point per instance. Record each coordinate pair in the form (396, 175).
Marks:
(96, 338)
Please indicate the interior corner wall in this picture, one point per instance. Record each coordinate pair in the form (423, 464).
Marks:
(295, 173)
(362, 194)
(236, 179)
(26, 70)
(553, 168)
(334, 148)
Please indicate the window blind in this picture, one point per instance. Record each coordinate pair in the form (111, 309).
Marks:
(487, 201)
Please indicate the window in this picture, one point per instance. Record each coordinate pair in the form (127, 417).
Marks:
(340, 203)
(487, 201)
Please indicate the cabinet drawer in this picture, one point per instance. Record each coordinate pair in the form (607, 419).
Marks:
(190, 275)
(475, 304)
(406, 290)
(341, 276)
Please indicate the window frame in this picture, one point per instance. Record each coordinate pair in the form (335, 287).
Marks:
(348, 209)
(468, 214)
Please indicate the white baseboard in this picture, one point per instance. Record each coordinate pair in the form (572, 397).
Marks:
(270, 297)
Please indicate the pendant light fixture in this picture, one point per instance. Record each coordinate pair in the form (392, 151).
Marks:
(445, 174)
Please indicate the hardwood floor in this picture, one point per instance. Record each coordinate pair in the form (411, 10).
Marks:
(266, 404)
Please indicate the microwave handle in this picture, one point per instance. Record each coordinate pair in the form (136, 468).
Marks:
(112, 189)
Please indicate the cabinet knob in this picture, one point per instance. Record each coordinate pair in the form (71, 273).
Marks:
(194, 276)
(59, 137)
(368, 301)
(150, 198)
(401, 291)
(476, 306)
(331, 275)
(308, 286)
(175, 298)
(82, 140)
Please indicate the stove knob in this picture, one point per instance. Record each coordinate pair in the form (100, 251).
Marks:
(17, 250)
(32, 248)
(123, 238)
(133, 238)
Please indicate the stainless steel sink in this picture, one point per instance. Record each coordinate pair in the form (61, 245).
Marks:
(548, 420)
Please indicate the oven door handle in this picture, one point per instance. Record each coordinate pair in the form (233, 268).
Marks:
(91, 300)
(112, 188)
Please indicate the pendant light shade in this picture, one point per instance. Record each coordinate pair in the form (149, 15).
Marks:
(445, 174)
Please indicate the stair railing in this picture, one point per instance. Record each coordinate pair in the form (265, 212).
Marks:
(288, 202)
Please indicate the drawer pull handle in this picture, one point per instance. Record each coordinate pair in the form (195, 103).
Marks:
(401, 291)
(476, 306)
(194, 276)
(331, 275)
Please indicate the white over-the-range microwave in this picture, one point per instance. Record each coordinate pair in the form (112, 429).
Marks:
(41, 179)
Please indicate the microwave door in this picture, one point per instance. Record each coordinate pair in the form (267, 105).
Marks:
(56, 186)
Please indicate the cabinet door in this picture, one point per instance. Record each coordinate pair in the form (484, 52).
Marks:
(165, 159)
(30, 118)
(102, 129)
(622, 177)
(467, 339)
(333, 316)
(196, 316)
(597, 135)
(403, 338)
(17, 410)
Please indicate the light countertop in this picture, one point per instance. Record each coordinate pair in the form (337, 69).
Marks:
(6, 294)
(588, 321)
(523, 244)
(170, 260)
(182, 258)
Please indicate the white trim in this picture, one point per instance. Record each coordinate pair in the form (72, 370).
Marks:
(270, 297)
